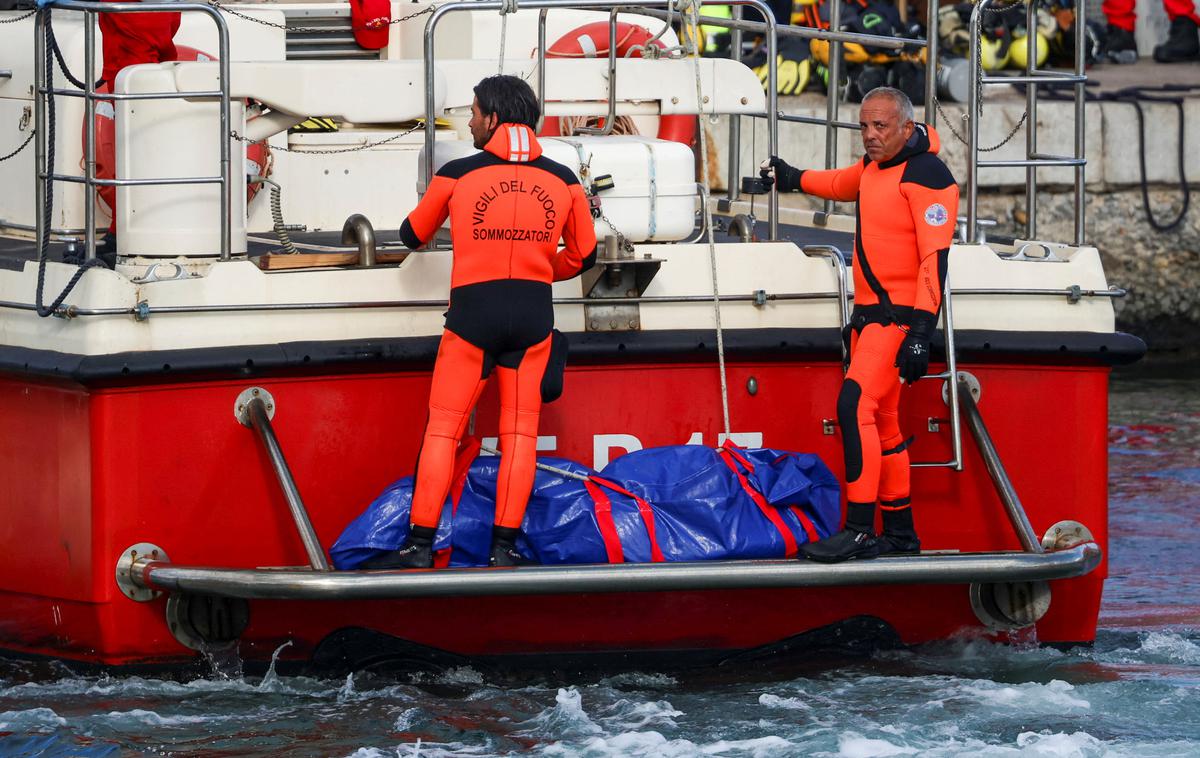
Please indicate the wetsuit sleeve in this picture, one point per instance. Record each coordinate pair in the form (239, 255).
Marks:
(934, 211)
(430, 213)
(579, 237)
(835, 184)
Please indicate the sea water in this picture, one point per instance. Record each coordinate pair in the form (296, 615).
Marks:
(1136, 692)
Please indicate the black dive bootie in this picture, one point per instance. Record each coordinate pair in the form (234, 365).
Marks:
(857, 540)
(416, 552)
(899, 535)
(1183, 42)
(504, 548)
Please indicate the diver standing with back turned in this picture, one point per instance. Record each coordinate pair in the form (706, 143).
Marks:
(509, 206)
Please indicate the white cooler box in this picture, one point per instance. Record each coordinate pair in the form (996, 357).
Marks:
(654, 196)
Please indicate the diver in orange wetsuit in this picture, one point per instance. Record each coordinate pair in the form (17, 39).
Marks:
(508, 206)
(907, 206)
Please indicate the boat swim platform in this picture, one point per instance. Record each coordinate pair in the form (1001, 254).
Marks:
(138, 572)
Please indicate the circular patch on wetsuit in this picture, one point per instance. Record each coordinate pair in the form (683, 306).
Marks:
(936, 215)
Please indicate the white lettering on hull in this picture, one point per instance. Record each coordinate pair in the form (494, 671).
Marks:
(604, 444)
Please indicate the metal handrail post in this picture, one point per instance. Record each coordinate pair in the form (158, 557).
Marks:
(610, 121)
(835, 256)
(832, 94)
(735, 121)
(1031, 143)
(952, 370)
(772, 109)
(256, 410)
(89, 122)
(541, 64)
(973, 107)
(931, 62)
(1004, 486)
(1080, 115)
(224, 137)
(39, 140)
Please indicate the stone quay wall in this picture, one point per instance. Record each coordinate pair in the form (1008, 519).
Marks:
(1160, 269)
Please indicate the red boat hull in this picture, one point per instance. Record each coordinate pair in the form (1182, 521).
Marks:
(91, 471)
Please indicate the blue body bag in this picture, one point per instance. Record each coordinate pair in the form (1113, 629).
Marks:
(680, 503)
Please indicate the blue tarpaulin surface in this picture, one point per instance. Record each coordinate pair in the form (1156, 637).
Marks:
(691, 498)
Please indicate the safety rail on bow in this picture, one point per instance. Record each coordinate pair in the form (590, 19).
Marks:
(43, 92)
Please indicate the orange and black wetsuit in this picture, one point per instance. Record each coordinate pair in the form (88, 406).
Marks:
(907, 208)
(508, 206)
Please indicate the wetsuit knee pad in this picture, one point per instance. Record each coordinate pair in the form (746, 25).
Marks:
(847, 410)
(556, 366)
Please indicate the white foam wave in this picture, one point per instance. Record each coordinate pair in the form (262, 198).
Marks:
(1054, 696)
(631, 715)
(790, 703)
(566, 718)
(30, 719)
(1174, 647)
(405, 720)
(647, 744)
(151, 718)
(854, 745)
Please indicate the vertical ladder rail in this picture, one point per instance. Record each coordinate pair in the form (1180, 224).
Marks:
(950, 375)
(1032, 78)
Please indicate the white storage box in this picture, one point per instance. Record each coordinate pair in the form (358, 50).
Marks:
(654, 196)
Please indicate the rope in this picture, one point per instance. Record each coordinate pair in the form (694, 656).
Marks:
(43, 242)
(691, 10)
(507, 7)
(62, 64)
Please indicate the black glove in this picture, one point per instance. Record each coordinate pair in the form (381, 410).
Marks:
(913, 356)
(788, 177)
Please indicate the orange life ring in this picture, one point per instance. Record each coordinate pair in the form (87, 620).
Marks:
(258, 153)
(591, 41)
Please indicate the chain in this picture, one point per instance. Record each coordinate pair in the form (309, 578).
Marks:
(329, 151)
(22, 147)
(18, 18)
(966, 116)
(979, 96)
(372, 24)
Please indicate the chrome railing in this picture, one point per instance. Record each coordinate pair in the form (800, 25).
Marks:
(655, 8)
(89, 94)
(1033, 78)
